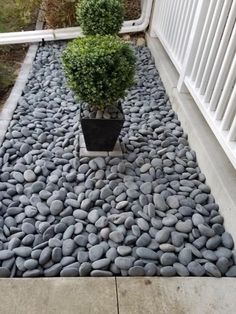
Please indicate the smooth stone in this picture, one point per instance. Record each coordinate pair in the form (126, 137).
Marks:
(28, 228)
(23, 251)
(56, 207)
(159, 202)
(145, 168)
(166, 247)
(101, 263)
(181, 270)
(227, 240)
(29, 176)
(213, 242)
(124, 250)
(68, 247)
(124, 262)
(53, 271)
(169, 220)
(168, 259)
(136, 271)
(146, 253)
(86, 204)
(96, 252)
(37, 187)
(93, 216)
(6, 254)
(177, 238)
(209, 255)
(173, 202)
(101, 273)
(223, 265)
(122, 205)
(85, 269)
(212, 270)
(102, 222)
(196, 269)
(231, 272)
(4, 272)
(143, 224)
(184, 226)
(31, 264)
(69, 272)
(206, 231)
(168, 271)
(197, 219)
(45, 255)
(146, 188)
(116, 236)
(150, 269)
(143, 240)
(162, 236)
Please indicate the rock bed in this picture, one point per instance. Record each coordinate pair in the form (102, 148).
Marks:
(149, 213)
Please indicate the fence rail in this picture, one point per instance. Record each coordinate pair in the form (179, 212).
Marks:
(200, 38)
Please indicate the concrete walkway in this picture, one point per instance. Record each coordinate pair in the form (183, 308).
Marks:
(118, 296)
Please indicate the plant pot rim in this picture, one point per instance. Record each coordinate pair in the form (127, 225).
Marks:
(102, 119)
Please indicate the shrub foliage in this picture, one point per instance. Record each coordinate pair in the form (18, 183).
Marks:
(99, 69)
(101, 17)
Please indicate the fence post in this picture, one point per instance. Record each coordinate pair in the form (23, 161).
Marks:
(153, 18)
(194, 38)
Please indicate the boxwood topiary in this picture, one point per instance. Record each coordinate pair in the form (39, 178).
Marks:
(99, 69)
(100, 16)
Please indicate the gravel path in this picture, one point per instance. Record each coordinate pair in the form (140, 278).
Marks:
(149, 213)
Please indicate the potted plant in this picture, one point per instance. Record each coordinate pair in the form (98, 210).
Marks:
(99, 69)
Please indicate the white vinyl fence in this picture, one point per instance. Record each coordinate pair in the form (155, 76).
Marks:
(200, 38)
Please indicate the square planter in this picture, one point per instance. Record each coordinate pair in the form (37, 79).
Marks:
(101, 134)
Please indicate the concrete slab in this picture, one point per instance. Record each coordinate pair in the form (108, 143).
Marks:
(86, 153)
(58, 296)
(176, 296)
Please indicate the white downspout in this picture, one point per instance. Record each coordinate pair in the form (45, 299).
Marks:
(132, 26)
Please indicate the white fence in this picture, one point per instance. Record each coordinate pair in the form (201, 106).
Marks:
(200, 38)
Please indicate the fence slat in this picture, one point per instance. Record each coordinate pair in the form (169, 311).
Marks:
(215, 46)
(188, 29)
(185, 17)
(227, 91)
(208, 43)
(232, 131)
(200, 38)
(226, 47)
(229, 56)
(180, 26)
(202, 41)
(230, 111)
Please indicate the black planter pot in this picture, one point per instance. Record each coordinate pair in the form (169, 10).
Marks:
(101, 134)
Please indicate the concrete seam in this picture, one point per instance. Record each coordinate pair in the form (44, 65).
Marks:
(117, 297)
